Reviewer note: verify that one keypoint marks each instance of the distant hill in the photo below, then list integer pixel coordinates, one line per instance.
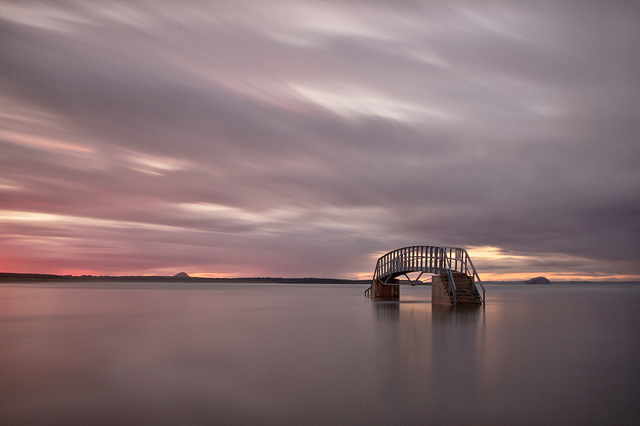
(181, 275)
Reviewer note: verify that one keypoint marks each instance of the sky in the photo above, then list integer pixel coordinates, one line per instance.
(308, 138)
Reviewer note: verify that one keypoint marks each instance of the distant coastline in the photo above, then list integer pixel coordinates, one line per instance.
(11, 277)
(22, 277)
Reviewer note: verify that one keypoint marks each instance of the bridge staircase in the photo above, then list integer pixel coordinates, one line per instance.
(465, 291)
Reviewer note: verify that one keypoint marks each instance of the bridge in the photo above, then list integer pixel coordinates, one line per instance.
(455, 279)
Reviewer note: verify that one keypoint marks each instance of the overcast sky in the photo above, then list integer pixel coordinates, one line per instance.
(300, 138)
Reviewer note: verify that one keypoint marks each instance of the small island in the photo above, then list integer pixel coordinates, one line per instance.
(538, 280)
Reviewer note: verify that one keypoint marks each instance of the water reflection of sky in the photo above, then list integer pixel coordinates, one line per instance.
(316, 355)
(542, 354)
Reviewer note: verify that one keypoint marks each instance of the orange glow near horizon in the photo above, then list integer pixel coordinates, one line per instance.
(555, 276)
(484, 276)
(492, 263)
(214, 275)
(486, 258)
(523, 276)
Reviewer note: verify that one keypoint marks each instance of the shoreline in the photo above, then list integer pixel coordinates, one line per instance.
(17, 278)
(26, 277)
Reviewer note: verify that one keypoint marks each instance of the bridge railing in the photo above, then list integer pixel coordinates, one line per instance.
(428, 259)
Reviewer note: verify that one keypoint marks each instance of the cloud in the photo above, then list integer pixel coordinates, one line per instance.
(301, 138)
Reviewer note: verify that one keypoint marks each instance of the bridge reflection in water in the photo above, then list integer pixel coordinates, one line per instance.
(439, 349)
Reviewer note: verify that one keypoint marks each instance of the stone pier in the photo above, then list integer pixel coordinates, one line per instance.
(385, 291)
(439, 291)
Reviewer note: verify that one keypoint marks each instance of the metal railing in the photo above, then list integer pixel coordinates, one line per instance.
(430, 260)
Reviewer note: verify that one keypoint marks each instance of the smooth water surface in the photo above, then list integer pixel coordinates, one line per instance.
(316, 354)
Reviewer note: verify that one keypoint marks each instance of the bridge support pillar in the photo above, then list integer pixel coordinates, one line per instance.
(440, 291)
(385, 291)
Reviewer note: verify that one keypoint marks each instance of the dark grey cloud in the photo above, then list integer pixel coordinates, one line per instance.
(304, 138)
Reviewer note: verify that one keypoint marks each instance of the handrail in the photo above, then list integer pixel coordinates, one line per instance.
(452, 286)
(429, 259)
(475, 275)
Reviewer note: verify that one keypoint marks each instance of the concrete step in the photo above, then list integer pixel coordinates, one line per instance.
(466, 294)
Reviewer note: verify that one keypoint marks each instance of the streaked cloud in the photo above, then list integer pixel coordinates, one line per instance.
(302, 138)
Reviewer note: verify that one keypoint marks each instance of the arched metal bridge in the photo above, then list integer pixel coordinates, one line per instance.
(447, 261)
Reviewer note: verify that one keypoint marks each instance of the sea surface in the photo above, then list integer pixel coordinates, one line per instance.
(282, 354)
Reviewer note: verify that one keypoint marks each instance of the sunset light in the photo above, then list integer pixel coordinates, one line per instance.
(308, 138)
(319, 212)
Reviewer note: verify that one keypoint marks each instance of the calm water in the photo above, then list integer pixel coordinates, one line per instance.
(317, 354)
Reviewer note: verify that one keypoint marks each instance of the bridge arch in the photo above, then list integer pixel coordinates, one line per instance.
(451, 264)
